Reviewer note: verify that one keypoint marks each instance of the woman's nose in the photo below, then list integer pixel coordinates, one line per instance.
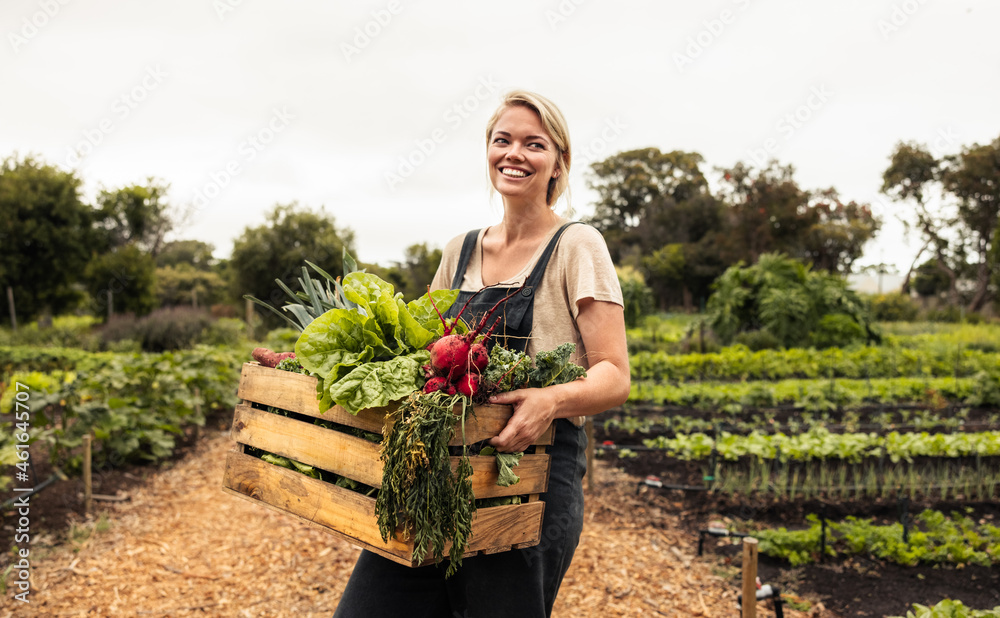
(514, 153)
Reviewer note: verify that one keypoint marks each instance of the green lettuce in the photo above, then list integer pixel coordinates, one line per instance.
(375, 384)
(371, 354)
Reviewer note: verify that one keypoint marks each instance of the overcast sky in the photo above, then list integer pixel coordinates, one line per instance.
(376, 110)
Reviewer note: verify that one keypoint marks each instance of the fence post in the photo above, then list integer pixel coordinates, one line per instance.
(197, 413)
(589, 427)
(249, 318)
(749, 577)
(87, 480)
(10, 303)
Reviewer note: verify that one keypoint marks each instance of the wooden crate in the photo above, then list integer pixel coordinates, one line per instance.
(348, 514)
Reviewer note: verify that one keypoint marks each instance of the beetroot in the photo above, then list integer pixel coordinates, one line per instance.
(458, 359)
(468, 384)
(450, 356)
(436, 384)
(478, 357)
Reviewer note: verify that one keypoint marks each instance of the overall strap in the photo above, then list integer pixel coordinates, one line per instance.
(535, 278)
(463, 260)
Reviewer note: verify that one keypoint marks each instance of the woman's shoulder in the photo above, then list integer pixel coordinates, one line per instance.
(584, 237)
(455, 244)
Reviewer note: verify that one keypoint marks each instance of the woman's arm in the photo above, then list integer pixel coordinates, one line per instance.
(602, 327)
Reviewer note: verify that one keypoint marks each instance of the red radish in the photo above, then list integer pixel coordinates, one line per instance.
(267, 358)
(468, 384)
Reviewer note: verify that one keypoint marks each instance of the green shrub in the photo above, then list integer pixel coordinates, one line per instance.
(758, 340)
(281, 339)
(636, 294)
(173, 328)
(68, 331)
(893, 307)
(226, 331)
(785, 297)
(953, 315)
(835, 330)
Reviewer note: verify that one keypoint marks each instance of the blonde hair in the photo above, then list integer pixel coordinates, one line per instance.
(555, 125)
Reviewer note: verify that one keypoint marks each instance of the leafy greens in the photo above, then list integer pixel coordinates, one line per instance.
(370, 355)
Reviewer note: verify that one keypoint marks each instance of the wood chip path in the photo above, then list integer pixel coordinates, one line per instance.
(182, 547)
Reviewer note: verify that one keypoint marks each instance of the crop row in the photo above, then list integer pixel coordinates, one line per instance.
(135, 405)
(936, 539)
(750, 420)
(819, 444)
(818, 395)
(740, 363)
(872, 479)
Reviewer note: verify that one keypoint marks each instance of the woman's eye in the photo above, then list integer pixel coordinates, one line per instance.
(498, 140)
(537, 145)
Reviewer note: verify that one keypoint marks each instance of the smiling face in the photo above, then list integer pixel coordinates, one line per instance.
(521, 155)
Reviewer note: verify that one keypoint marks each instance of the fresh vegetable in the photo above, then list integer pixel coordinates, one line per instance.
(510, 370)
(419, 491)
(460, 357)
(370, 355)
(468, 385)
(505, 466)
(267, 358)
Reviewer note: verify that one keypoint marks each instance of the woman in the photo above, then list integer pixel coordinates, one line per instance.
(570, 293)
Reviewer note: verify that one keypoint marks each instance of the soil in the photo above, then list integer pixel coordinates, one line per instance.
(179, 546)
(61, 502)
(852, 587)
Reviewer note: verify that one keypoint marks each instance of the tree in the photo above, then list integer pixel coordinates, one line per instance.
(135, 214)
(194, 253)
(648, 200)
(769, 212)
(185, 285)
(129, 274)
(279, 249)
(839, 233)
(631, 185)
(45, 234)
(415, 273)
(912, 169)
(972, 178)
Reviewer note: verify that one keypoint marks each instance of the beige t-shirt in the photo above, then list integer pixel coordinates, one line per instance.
(580, 267)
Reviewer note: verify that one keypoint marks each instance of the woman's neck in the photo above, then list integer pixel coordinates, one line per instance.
(526, 220)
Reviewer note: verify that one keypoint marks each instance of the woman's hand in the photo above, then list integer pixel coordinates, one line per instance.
(534, 411)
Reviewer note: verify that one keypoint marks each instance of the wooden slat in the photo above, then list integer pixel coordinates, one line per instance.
(297, 393)
(358, 459)
(533, 470)
(329, 450)
(351, 516)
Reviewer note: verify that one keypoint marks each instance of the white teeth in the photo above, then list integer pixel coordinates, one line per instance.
(512, 172)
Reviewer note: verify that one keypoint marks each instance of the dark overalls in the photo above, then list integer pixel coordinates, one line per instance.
(519, 583)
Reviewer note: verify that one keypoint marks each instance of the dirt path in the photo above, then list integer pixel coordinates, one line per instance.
(182, 547)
